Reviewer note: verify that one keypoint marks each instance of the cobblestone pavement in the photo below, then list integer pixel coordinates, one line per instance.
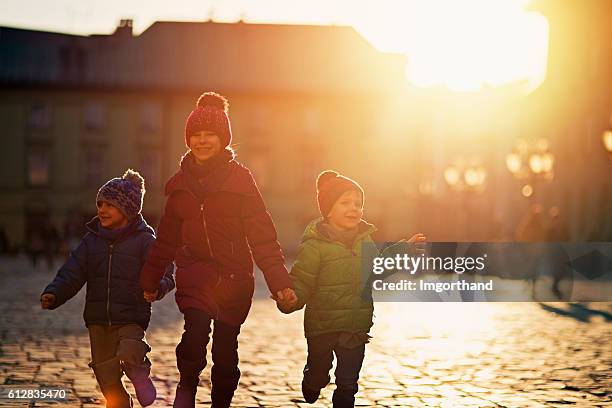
(436, 354)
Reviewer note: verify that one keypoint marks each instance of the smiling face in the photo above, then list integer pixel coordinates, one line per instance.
(204, 145)
(110, 216)
(347, 211)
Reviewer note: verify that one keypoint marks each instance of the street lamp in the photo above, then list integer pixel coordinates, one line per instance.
(475, 177)
(513, 162)
(466, 177)
(452, 176)
(606, 138)
(463, 177)
(528, 162)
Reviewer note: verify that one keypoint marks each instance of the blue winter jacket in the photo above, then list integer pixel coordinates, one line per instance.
(111, 269)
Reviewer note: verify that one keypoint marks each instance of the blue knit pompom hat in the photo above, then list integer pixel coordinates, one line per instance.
(125, 193)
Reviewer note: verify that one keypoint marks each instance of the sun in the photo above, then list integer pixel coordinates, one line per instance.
(463, 45)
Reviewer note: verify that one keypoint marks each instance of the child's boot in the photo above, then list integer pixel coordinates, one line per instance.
(310, 394)
(108, 373)
(344, 397)
(188, 385)
(140, 377)
(224, 385)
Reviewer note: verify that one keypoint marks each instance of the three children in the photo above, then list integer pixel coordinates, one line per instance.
(214, 224)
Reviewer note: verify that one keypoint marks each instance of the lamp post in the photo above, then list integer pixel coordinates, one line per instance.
(462, 177)
(606, 138)
(466, 178)
(530, 163)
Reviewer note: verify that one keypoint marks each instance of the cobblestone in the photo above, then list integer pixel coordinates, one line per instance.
(421, 354)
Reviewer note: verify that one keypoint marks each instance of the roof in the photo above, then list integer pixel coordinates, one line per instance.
(193, 55)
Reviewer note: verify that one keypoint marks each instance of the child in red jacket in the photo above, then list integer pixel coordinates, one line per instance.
(213, 220)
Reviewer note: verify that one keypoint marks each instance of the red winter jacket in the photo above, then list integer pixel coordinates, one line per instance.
(211, 235)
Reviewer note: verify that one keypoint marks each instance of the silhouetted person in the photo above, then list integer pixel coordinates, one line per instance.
(5, 246)
(35, 245)
(51, 243)
(531, 228)
(557, 231)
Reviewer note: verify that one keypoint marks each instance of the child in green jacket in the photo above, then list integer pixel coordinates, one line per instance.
(327, 279)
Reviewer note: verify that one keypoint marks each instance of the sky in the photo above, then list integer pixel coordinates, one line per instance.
(85, 16)
(462, 44)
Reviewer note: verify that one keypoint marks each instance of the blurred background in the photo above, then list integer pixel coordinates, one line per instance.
(468, 121)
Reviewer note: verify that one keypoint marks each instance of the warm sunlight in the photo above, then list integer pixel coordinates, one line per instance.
(465, 45)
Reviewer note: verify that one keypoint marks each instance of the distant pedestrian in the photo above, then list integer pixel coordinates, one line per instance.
(531, 228)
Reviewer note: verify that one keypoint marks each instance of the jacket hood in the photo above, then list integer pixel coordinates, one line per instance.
(227, 153)
(137, 224)
(239, 180)
(313, 232)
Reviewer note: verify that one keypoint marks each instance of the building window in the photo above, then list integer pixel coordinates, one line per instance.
(95, 116)
(259, 164)
(150, 167)
(150, 118)
(40, 116)
(94, 166)
(38, 166)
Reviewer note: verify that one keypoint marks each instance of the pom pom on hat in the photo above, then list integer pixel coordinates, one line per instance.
(213, 99)
(325, 176)
(135, 178)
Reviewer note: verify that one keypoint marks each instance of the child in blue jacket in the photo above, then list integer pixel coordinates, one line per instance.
(109, 259)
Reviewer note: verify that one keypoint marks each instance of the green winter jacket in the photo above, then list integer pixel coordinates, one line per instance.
(327, 279)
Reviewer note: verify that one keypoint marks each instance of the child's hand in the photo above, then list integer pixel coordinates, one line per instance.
(47, 300)
(418, 240)
(284, 307)
(151, 296)
(286, 299)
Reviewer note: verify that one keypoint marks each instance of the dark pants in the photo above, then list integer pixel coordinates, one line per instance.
(124, 345)
(321, 350)
(116, 350)
(192, 350)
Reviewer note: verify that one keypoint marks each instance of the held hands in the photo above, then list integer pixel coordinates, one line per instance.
(286, 299)
(47, 300)
(151, 296)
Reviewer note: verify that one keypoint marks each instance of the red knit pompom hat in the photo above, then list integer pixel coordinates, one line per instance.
(210, 114)
(330, 186)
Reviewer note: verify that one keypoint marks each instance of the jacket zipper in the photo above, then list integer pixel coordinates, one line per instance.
(110, 260)
(210, 251)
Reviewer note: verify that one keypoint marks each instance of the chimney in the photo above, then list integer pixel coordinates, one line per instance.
(124, 29)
